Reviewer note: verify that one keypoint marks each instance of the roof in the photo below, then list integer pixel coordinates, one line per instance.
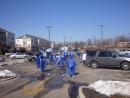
(3, 30)
(30, 36)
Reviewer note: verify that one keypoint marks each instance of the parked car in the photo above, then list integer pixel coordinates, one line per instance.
(89, 54)
(18, 56)
(124, 51)
(32, 58)
(2, 58)
(8, 54)
(109, 58)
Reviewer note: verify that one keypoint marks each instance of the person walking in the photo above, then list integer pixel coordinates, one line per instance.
(37, 61)
(71, 66)
(84, 55)
(43, 64)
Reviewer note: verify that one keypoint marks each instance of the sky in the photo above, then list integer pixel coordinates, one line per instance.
(77, 20)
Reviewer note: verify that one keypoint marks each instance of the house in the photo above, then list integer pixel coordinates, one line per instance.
(30, 42)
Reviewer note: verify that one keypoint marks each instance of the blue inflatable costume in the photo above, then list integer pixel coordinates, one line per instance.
(71, 66)
(37, 61)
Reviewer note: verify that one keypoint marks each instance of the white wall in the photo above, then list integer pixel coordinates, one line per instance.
(29, 42)
(19, 42)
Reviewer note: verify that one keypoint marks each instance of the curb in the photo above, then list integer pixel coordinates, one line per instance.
(81, 95)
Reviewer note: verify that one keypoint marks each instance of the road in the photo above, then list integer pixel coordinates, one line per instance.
(54, 85)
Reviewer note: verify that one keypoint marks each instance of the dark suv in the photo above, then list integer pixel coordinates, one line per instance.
(90, 53)
(108, 58)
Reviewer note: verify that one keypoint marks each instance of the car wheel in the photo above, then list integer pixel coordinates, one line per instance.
(94, 65)
(125, 66)
(84, 63)
(26, 58)
(13, 58)
(33, 60)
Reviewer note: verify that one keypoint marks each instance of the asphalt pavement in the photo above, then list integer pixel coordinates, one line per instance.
(53, 84)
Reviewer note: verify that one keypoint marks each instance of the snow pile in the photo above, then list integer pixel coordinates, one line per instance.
(111, 87)
(7, 73)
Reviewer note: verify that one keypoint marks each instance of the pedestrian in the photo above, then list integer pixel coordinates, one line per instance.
(71, 66)
(62, 65)
(38, 61)
(84, 55)
(78, 53)
(65, 55)
(57, 60)
(42, 66)
(51, 58)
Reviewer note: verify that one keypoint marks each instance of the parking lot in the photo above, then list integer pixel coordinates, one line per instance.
(58, 85)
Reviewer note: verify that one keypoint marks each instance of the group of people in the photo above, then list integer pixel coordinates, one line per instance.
(64, 59)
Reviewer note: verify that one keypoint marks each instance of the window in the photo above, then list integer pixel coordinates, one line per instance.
(109, 54)
(102, 54)
(29, 45)
(29, 39)
(91, 53)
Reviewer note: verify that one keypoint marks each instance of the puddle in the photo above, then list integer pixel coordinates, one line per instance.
(56, 82)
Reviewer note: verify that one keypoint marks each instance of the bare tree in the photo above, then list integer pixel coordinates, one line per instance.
(89, 42)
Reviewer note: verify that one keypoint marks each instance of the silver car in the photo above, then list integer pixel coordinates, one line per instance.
(2, 58)
(109, 58)
(18, 56)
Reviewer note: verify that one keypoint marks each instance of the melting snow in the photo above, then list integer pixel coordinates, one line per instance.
(7, 73)
(111, 87)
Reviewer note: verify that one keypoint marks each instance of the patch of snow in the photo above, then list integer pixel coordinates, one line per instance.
(7, 73)
(111, 87)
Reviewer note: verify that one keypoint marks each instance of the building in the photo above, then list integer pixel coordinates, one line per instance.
(30, 42)
(123, 44)
(7, 40)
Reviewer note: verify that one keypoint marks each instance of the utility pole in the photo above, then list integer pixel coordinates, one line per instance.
(49, 35)
(101, 27)
(64, 40)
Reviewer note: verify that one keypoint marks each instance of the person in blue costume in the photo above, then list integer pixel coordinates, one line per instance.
(37, 61)
(62, 60)
(43, 64)
(72, 54)
(78, 53)
(65, 55)
(57, 60)
(71, 66)
(51, 59)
